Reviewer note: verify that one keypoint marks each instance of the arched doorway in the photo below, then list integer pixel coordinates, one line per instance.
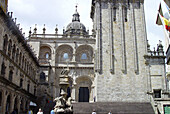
(21, 106)
(8, 104)
(83, 94)
(83, 89)
(16, 104)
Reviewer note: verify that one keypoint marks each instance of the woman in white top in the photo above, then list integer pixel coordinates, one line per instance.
(40, 111)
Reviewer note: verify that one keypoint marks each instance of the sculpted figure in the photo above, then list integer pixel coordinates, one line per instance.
(63, 104)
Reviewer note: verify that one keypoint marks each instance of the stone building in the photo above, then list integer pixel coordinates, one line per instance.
(18, 68)
(74, 49)
(130, 73)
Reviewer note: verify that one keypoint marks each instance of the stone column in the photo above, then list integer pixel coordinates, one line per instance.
(4, 100)
(18, 105)
(74, 52)
(12, 99)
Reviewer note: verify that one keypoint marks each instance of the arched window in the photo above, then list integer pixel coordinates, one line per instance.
(21, 82)
(17, 55)
(34, 90)
(125, 14)
(10, 75)
(47, 56)
(3, 67)
(13, 53)
(65, 56)
(9, 47)
(28, 87)
(84, 56)
(5, 43)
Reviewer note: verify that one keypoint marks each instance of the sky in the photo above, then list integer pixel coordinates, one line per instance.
(52, 12)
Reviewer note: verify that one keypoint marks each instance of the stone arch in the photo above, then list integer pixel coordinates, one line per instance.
(17, 55)
(16, 102)
(3, 69)
(9, 47)
(8, 103)
(64, 53)
(22, 105)
(5, 44)
(84, 54)
(45, 52)
(83, 82)
(13, 52)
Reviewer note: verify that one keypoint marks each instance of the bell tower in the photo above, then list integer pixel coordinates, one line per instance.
(121, 43)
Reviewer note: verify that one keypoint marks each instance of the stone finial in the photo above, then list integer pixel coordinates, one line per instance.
(160, 48)
(56, 29)
(44, 29)
(88, 31)
(93, 32)
(63, 30)
(18, 25)
(15, 20)
(35, 29)
(11, 14)
(148, 46)
(30, 32)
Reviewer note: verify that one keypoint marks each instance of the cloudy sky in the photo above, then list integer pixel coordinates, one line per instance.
(52, 12)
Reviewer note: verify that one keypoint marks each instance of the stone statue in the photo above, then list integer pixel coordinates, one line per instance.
(63, 105)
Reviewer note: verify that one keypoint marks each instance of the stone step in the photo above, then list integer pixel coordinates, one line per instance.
(114, 107)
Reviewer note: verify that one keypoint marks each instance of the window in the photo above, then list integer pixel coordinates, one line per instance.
(13, 52)
(157, 93)
(114, 14)
(5, 43)
(10, 75)
(34, 90)
(9, 47)
(84, 56)
(3, 69)
(125, 14)
(47, 55)
(21, 83)
(65, 56)
(28, 87)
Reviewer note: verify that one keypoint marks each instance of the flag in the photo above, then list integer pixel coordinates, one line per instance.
(166, 23)
(165, 10)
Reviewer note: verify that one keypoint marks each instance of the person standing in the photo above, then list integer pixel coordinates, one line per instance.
(40, 111)
(110, 112)
(94, 112)
(29, 111)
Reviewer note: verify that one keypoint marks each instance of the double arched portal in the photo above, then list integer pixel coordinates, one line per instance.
(82, 57)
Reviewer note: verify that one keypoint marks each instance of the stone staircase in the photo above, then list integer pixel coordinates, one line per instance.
(114, 107)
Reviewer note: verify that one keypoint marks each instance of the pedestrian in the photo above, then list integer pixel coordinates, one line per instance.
(52, 112)
(40, 111)
(110, 112)
(29, 111)
(94, 112)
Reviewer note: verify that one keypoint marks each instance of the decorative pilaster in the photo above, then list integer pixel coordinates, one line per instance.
(111, 38)
(136, 63)
(124, 67)
(99, 43)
